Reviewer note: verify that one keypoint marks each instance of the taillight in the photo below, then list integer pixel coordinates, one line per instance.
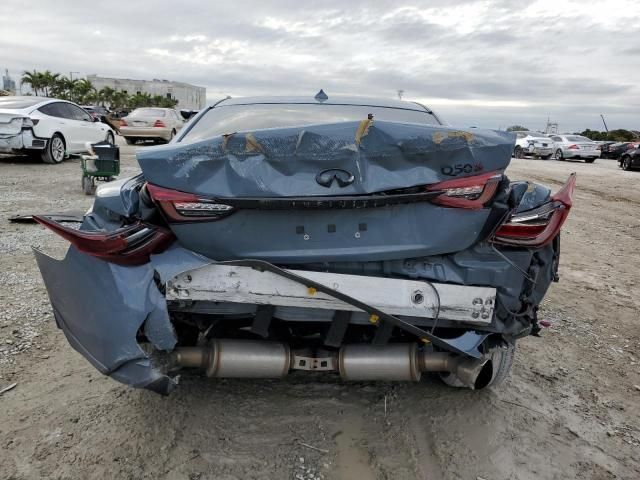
(187, 207)
(130, 245)
(159, 124)
(538, 227)
(123, 123)
(468, 192)
(573, 147)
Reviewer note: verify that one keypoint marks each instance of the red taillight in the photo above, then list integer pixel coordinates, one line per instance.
(573, 147)
(468, 192)
(123, 123)
(187, 207)
(159, 124)
(538, 227)
(130, 245)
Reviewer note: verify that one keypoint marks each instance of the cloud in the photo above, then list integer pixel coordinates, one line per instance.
(486, 63)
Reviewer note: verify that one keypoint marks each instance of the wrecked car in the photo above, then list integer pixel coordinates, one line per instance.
(359, 237)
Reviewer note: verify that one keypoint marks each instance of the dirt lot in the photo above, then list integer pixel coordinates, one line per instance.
(571, 408)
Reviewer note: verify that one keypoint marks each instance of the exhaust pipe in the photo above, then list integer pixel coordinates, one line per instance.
(403, 361)
(228, 358)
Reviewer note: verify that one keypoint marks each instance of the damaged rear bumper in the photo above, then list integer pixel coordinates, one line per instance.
(102, 307)
(108, 312)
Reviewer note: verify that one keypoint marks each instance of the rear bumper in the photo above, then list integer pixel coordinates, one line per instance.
(145, 132)
(540, 151)
(581, 154)
(20, 141)
(105, 310)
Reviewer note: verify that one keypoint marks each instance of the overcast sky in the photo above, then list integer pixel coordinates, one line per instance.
(482, 63)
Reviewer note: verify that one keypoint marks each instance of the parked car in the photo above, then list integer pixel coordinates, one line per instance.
(97, 111)
(533, 144)
(151, 123)
(47, 128)
(630, 159)
(575, 146)
(360, 237)
(616, 150)
(603, 146)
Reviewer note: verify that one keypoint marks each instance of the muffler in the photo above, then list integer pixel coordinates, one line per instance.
(404, 362)
(228, 358)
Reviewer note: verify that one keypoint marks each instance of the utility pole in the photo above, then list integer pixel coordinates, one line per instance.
(400, 93)
(71, 75)
(605, 123)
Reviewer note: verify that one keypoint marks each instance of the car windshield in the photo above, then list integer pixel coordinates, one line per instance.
(578, 138)
(19, 102)
(148, 112)
(257, 116)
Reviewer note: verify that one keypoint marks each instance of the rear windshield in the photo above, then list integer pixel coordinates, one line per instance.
(237, 118)
(578, 138)
(19, 102)
(148, 112)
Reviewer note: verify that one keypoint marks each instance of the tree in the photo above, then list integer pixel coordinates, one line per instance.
(105, 96)
(517, 128)
(33, 79)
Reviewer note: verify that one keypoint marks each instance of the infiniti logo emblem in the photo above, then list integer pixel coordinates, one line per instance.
(326, 177)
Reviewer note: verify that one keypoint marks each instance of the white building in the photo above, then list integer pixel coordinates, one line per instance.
(189, 97)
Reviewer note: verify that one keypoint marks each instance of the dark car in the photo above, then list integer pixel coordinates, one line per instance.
(603, 146)
(354, 236)
(97, 111)
(630, 159)
(616, 150)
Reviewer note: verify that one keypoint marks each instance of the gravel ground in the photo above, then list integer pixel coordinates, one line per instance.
(569, 409)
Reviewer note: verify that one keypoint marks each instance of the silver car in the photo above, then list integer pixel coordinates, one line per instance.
(533, 144)
(151, 123)
(575, 146)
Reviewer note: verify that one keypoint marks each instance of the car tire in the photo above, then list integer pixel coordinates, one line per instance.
(545, 157)
(501, 361)
(110, 138)
(88, 185)
(130, 140)
(558, 155)
(625, 163)
(518, 152)
(54, 152)
(589, 160)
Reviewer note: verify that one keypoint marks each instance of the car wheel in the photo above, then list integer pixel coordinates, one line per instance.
(626, 163)
(589, 160)
(558, 155)
(130, 140)
(88, 185)
(110, 138)
(501, 361)
(518, 153)
(545, 157)
(55, 150)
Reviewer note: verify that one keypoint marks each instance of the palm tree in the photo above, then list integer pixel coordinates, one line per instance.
(83, 91)
(63, 88)
(48, 81)
(33, 79)
(105, 95)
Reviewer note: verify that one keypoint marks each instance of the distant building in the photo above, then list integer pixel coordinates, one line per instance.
(189, 97)
(8, 83)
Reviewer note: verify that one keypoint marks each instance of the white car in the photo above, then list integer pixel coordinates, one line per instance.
(532, 144)
(48, 128)
(575, 146)
(151, 123)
